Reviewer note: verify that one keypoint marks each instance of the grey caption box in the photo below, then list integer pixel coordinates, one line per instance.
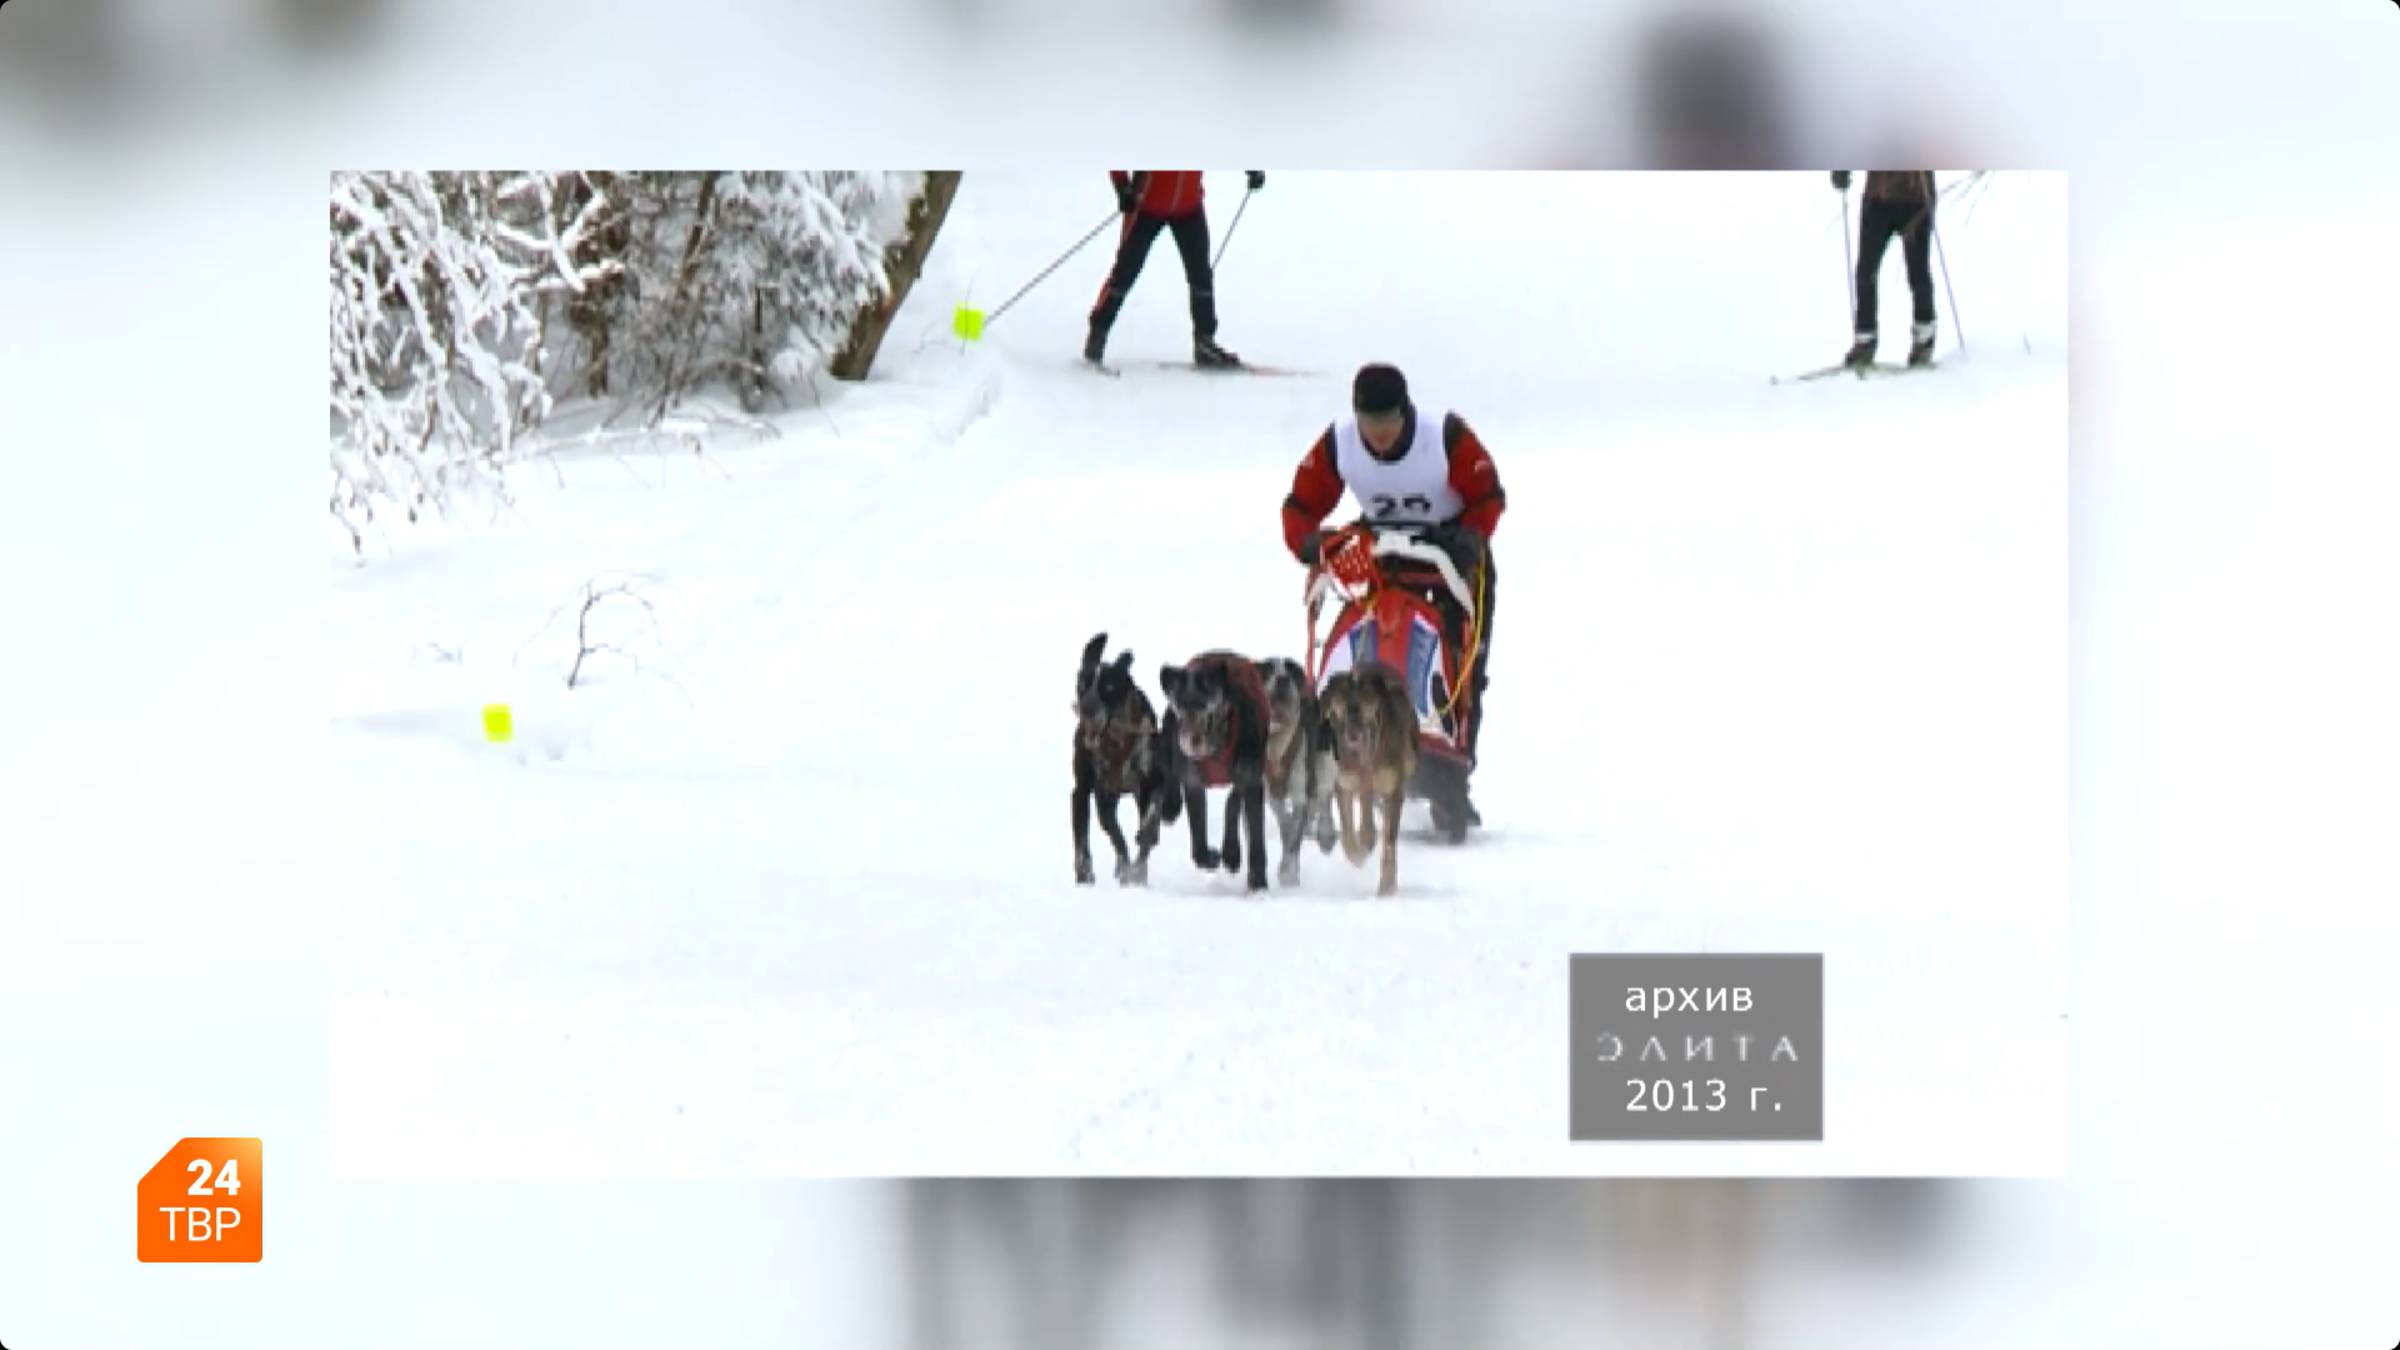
(1671, 1048)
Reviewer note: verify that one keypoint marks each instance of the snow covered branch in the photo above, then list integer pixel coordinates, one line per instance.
(445, 288)
(435, 343)
(750, 281)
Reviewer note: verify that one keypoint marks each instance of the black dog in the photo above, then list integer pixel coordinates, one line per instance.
(1116, 754)
(1217, 721)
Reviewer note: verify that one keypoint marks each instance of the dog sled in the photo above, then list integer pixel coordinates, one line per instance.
(1394, 592)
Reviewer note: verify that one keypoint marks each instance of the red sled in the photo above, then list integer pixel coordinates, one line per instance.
(1391, 587)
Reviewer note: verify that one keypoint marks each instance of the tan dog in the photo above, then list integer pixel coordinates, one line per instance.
(1299, 763)
(1374, 732)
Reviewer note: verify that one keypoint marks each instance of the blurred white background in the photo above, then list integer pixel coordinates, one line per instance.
(161, 954)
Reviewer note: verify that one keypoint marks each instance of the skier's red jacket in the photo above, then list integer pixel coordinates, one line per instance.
(1317, 487)
(1165, 192)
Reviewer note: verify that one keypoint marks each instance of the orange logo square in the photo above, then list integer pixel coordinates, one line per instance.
(204, 1201)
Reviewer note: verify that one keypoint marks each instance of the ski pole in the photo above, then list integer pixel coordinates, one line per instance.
(1227, 241)
(1045, 272)
(1955, 326)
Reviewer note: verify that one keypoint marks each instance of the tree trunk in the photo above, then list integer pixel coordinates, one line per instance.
(901, 263)
(672, 391)
(591, 311)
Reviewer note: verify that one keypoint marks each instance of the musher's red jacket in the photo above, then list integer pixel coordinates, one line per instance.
(1317, 487)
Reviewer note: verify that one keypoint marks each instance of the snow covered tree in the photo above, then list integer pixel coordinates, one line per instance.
(436, 344)
(751, 280)
(813, 255)
(901, 263)
(588, 208)
(464, 304)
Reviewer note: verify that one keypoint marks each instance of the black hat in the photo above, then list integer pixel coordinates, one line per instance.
(1379, 389)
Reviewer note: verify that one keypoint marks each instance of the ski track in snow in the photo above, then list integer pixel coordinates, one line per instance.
(1775, 669)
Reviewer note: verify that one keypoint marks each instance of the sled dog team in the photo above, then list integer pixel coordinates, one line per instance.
(1256, 727)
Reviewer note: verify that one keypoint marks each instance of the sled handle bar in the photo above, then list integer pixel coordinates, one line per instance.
(1395, 545)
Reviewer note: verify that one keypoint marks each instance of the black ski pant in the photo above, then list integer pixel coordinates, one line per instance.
(1878, 221)
(1133, 249)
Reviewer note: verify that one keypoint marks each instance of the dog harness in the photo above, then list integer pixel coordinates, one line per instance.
(1116, 751)
(1242, 682)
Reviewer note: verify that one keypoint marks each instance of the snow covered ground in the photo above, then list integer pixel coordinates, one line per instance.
(1774, 669)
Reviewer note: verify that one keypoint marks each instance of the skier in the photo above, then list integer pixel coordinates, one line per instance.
(1154, 200)
(1406, 469)
(1894, 203)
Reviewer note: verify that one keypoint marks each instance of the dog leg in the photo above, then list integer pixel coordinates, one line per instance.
(1082, 815)
(1195, 806)
(1366, 820)
(1287, 824)
(1145, 836)
(1345, 802)
(1391, 843)
(1161, 803)
(1116, 837)
(1232, 857)
(1254, 812)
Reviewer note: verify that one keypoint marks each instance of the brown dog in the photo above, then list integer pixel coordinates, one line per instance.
(1374, 732)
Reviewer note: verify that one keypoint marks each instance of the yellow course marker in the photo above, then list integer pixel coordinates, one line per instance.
(968, 324)
(497, 724)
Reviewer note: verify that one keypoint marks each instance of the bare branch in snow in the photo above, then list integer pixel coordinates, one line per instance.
(585, 646)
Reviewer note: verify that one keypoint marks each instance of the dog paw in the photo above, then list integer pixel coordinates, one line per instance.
(1258, 883)
(1289, 872)
(1205, 860)
(1137, 874)
(1083, 871)
(1233, 858)
(1388, 888)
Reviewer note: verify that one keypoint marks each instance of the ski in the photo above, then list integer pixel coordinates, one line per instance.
(1117, 371)
(1810, 375)
(1244, 368)
(1880, 368)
